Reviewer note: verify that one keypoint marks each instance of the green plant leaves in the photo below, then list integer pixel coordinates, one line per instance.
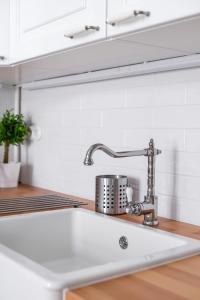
(13, 129)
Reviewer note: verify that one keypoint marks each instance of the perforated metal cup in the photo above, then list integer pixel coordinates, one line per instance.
(111, 194)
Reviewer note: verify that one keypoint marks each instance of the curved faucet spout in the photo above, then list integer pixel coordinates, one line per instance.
(88, 161)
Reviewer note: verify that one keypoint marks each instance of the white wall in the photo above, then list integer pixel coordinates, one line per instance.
(123, 114)
(6, 99)
(6, 102)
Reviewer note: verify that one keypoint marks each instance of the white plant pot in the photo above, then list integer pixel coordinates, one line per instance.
(9, 174)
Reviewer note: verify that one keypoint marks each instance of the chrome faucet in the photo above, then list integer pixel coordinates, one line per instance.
(148, 207)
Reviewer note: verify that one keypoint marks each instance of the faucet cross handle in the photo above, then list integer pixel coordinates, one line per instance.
(129, 193)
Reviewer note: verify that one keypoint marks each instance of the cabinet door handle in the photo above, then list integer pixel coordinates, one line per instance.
(135, 13)
(141, 13)
(80, 31)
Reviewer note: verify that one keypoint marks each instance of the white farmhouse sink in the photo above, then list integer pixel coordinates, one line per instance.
(42, 254)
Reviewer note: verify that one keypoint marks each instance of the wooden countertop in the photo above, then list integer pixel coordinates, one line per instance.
(175, 281)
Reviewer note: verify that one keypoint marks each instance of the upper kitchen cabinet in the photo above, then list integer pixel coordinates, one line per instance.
(126, 16)
(4, 32)
(39, 27)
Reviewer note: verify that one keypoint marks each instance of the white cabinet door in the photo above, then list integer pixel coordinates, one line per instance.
(133, 15)
(44, 26)
(4, 32)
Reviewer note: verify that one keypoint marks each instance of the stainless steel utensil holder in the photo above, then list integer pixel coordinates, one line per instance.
(111, 194)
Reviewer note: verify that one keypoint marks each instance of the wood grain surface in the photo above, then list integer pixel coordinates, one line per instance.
(176, 281)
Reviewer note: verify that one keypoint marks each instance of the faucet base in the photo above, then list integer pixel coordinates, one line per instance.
(148, 210)
(150, 215)
(151, 222)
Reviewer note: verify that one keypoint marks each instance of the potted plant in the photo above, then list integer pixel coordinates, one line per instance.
(13, 131)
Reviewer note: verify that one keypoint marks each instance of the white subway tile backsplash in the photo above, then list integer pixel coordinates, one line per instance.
(156, 95)
(71, 136)
(140, 96)
(103, 96)
(179, 209)
(166, 138)
(183, 163)
(81, 119)
(192, 140)
(194, 92)
(188, 164)
(108, 136)
(176, 117)
(169, 184)
(167, 161)
(178, 186)
(123, 114)
(87, 119)
(190, 188)
(127, 118)
(170, 94)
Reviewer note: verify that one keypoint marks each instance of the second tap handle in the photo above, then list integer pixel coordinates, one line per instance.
(129, 194)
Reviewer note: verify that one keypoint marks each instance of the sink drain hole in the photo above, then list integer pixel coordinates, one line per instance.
(123, 242)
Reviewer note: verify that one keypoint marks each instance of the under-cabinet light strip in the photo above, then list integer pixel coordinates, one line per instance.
(185, 62)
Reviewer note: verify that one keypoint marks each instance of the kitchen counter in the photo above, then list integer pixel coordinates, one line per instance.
(178, 280)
